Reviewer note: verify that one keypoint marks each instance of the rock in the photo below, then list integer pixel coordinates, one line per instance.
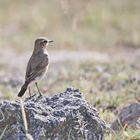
(61, 117)
(128, 116)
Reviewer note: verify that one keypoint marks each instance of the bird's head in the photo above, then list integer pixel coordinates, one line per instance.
(42, 43)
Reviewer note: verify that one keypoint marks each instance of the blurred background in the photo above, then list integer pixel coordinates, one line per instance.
(72, 24)
(96, 49)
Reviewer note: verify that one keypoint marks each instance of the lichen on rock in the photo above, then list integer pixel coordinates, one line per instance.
(64, 116)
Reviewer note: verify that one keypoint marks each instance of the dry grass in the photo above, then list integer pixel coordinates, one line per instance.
(23, 114)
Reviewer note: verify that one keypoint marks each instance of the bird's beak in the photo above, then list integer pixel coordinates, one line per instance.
(51, 41)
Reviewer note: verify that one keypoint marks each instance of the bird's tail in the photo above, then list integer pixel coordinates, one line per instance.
(23, 89)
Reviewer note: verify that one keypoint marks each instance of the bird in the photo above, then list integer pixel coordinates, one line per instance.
(37, 65)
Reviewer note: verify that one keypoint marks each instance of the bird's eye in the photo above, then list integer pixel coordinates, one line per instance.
(44, 41)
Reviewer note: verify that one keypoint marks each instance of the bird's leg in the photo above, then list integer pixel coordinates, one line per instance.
(38, 89)
(29, 92)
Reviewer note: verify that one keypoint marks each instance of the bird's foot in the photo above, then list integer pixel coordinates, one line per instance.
(40, 95)
(32, 96)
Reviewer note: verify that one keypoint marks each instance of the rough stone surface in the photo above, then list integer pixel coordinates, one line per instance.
(66, 116)
(128, 116)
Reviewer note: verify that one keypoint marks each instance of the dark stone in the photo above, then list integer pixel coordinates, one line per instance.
(127, 116)
(62, 117)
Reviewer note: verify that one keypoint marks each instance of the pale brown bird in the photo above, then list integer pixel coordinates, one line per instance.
(37, 65)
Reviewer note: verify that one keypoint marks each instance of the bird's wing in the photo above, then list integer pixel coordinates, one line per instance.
(35, 67)
(28, 69)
